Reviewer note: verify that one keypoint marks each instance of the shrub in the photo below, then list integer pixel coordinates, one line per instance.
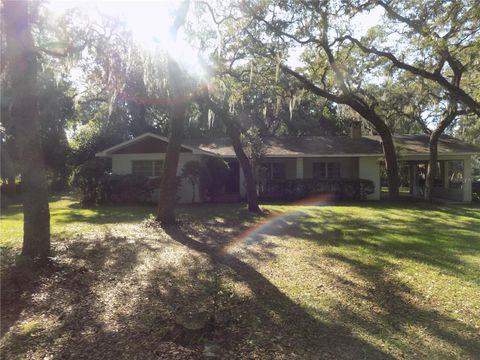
(296, 189)
(97, 186)
(87, 178)
(476, 190)
(127, 189)
(215, 177)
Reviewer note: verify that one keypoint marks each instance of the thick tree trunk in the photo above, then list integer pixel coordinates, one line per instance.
(391, 164)
(22, 71)
(11, 187)
(234, 134)
(433, 148)
(168, 185)
(193, 193)
(432, 164)
(178, 107)
(252, 196)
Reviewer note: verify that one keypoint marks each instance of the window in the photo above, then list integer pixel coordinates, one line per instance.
(455, 174)
(148, 168)
(326, 170)
(274, 171)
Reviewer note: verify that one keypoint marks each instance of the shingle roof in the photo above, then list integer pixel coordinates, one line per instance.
(337, 145)
(418, 144)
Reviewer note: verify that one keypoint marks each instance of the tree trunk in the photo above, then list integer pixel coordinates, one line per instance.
(22, 71)
(433, 148)
(252, 196)
(193, 193)
(168, 185)
(178, 107)
(234, 134)
(391, 164)
(11, 187)
(432, 164)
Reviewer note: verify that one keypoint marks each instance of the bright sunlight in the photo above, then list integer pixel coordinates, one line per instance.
(150, 23)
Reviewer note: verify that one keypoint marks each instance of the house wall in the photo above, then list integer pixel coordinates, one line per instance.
(369, 169)
(122, 165)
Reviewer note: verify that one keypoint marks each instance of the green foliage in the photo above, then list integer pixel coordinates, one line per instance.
(88, 179)
(253, 146)
(126, 189)
(296, 189)
(55, 109)
(95, 135)
(217, 174)
(98, 186)
(476, 190)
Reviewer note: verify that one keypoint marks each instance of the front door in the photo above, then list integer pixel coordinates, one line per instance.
(232, 185)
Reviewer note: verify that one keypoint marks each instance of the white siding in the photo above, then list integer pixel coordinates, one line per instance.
(299, 168)
(122, 164)
(369, 169)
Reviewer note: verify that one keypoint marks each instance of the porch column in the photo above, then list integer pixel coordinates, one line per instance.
(467, 179)
(411, 177)
(299, 168)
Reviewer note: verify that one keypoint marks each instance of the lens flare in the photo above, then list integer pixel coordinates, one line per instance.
(253, 234)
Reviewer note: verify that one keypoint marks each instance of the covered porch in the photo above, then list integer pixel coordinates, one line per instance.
(452, 178)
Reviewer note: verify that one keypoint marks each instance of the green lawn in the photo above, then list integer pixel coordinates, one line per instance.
(67, 218)
(367, 280)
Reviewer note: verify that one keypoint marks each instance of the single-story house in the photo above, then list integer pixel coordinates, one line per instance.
(323, 157)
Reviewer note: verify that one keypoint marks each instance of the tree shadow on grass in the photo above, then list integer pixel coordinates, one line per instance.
(265, 320)
(396, 312)
(64, 293)
(308, 334)
(418, 237)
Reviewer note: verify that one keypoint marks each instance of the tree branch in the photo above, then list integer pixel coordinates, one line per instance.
(437, 77)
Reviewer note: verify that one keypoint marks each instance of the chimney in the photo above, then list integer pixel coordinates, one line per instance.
(356, 129)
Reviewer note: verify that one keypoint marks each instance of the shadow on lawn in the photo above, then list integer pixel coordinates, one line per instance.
(97, 277)
(390, 295)
(299, 331)
(105, 278)
(417, 236)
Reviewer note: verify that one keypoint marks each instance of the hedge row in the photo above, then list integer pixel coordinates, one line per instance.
(296, 189)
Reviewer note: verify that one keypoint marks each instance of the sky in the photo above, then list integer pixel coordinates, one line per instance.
(148, 20)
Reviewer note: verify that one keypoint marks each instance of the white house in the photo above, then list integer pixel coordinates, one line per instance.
(323, 157)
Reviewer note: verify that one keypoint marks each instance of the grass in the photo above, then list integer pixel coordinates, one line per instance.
(68, 218)
(368, 280)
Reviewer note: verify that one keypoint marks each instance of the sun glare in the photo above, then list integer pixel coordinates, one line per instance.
(149, 22)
